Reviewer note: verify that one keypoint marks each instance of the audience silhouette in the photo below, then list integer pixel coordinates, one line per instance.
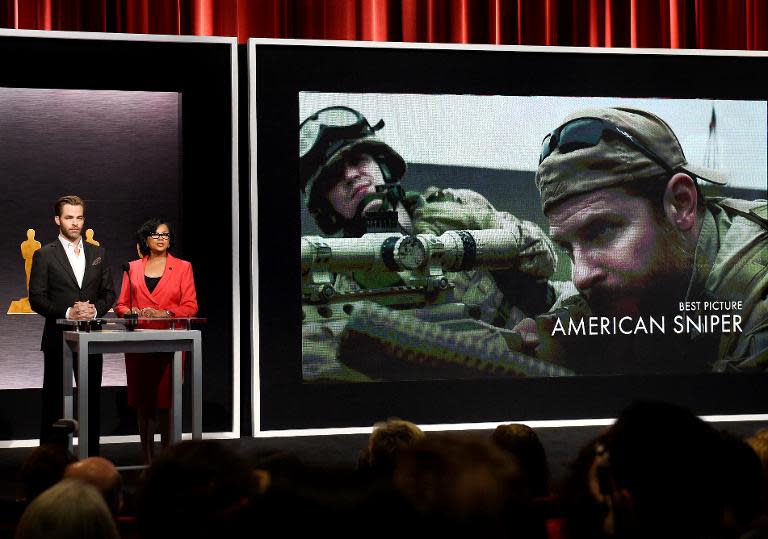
(658, 471)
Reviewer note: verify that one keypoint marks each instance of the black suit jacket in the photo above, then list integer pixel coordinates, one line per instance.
(53, 287)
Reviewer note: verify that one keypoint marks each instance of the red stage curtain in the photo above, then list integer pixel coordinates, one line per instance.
(713, 24)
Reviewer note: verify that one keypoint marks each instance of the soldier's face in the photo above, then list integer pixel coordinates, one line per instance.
(359, 177)
(70, 222)
(624, 260)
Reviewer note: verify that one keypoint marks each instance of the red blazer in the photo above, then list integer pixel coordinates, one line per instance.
(175, 291)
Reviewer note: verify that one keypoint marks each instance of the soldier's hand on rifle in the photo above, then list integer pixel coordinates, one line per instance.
(537, 339)
(526, 328)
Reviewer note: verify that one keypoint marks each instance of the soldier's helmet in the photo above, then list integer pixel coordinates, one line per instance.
(326, 138)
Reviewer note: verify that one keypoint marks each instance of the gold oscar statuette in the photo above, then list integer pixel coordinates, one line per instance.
(28, 248)
(89, 237)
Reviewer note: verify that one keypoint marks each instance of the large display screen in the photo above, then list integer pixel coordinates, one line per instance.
(472, 160)
(469, 245)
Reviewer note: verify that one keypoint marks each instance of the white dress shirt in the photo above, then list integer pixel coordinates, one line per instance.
(76, 261)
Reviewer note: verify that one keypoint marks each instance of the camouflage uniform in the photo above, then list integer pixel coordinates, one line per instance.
(732, 265)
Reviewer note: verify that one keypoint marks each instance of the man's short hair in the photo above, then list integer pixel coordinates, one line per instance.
(198, 488)
(103, 475)
(464, 486)
(652, 189)
(388, 438)
(72, 200)
(669, 460)
(522, 442)
(70, 508)
(43, 468)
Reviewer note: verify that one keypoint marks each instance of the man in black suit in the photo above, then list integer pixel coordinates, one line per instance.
(69, 279)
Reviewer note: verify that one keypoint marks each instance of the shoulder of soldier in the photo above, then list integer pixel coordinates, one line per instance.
(742, 240)
(754, 210)
(741, 266)
(461, 196)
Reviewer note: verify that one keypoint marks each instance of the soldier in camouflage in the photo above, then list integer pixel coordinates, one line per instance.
(623, 201)
(347, 175)
(351, 179)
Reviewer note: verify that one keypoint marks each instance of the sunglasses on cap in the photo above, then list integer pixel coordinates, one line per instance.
(586, 133)
(328, 129)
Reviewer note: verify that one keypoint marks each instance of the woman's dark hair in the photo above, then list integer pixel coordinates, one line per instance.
(148, 228)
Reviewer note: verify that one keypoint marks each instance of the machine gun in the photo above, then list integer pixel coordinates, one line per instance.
(413, 328)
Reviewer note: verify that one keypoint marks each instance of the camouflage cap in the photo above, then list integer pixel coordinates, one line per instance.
(614, 160)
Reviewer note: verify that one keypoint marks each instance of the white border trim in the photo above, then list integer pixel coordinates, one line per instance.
(253, 229)
(490, 47)
(255, 388)
(541, 424)
(128, 439)
(236, 288)
(235, 198)
(115, 36)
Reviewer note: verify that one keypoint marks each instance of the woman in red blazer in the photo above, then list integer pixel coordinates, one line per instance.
(162, 286)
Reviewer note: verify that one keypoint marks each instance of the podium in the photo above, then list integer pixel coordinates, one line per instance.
(178, 338)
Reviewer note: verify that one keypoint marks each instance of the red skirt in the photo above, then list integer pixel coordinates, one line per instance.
(149, 379)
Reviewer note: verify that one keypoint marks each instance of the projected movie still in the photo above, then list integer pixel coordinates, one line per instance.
(476, 237)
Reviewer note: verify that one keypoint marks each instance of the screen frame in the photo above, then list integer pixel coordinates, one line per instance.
(97, 38)
(261, 406)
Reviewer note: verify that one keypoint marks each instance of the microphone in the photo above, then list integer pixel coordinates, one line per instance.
(132, 319)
